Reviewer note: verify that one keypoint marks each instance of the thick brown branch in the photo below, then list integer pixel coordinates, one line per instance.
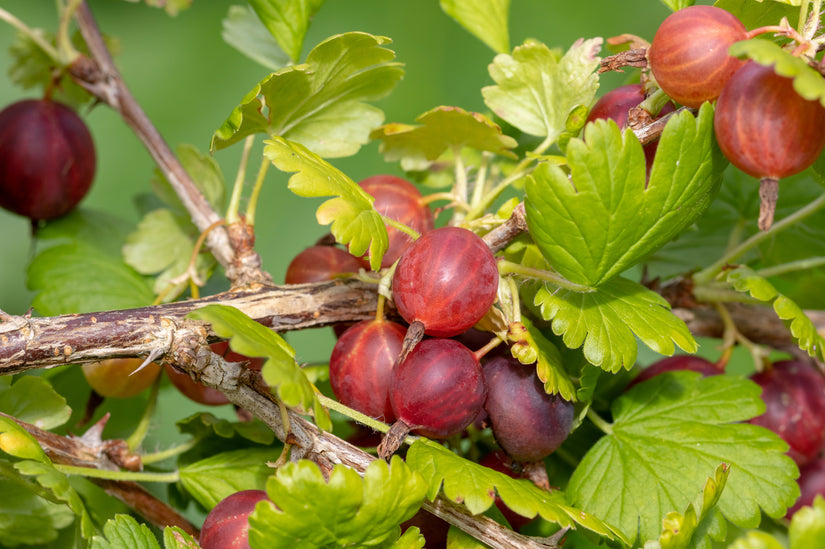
(27, 343)
(100, 77)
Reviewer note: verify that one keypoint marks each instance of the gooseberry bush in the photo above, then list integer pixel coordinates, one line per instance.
(586, 314)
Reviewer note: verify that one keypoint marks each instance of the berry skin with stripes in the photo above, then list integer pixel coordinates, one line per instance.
(446, 280)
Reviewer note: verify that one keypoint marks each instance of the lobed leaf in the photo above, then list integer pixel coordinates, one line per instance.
(320, 103)
(606, 217)
(667, 434)
(806, 81)
(287, 21)
(475, 486)
(682, 531)
(175, 538)
(162, 245)
(25, 517)
(767, 13)
(124, 531)
(17, 442)
(807, 527)
(33, 400)
(354, 221)
(59, 489)
(212, 479)
(529, 346)
(281, 372)
(608, 320)
(536, 90)
(485, 19)
(310, 512)
(803, 330)
(441, 129)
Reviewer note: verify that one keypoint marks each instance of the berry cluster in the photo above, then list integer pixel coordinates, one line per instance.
(763, 126)
(428, 371)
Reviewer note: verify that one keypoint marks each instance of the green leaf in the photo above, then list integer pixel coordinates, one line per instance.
(320, 103)
(346, 511)
(58, 486)
(281, 372)
(756, 540)
(486, 20)
(632, 217)
(806, 81)
(410, 539)
(203, 424)
(75, 278)
(176, 538)
(668, 434)
(475, 486)
(17, 442)
(212, 479)
(31, 67)
(608, 320)
(765, 13)
(808, 525)
(535, 91)
(33, 400)
(99, 230)
(355, 222)
(243, 30)
(162, 245)
(441, 129)
(124, 531)
(26, 518)
(529, 346)
(802, 328)
(680, 529)
(287, 21)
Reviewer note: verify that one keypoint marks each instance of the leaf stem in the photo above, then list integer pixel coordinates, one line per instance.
(800, 265)
(400, 226)
(521, 169)
(708, 273)
(237, 189)
(510, 267)
(64, 41)
(598, 421)
(47, 48)
(139, 434)
(333, 404)
(460, 182)
(89, 472)
(174, 451)
(256, 191)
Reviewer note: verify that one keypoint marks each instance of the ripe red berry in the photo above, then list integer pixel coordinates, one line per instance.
(47, 159)
(446, 280)
(227, 524)
(399, 200)
(794, 395)
(616, 104)
(677, 363)
(360, 367)
(527, 423)
(689, 53)
(320, 263)
(767, 130)
(438, 390)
